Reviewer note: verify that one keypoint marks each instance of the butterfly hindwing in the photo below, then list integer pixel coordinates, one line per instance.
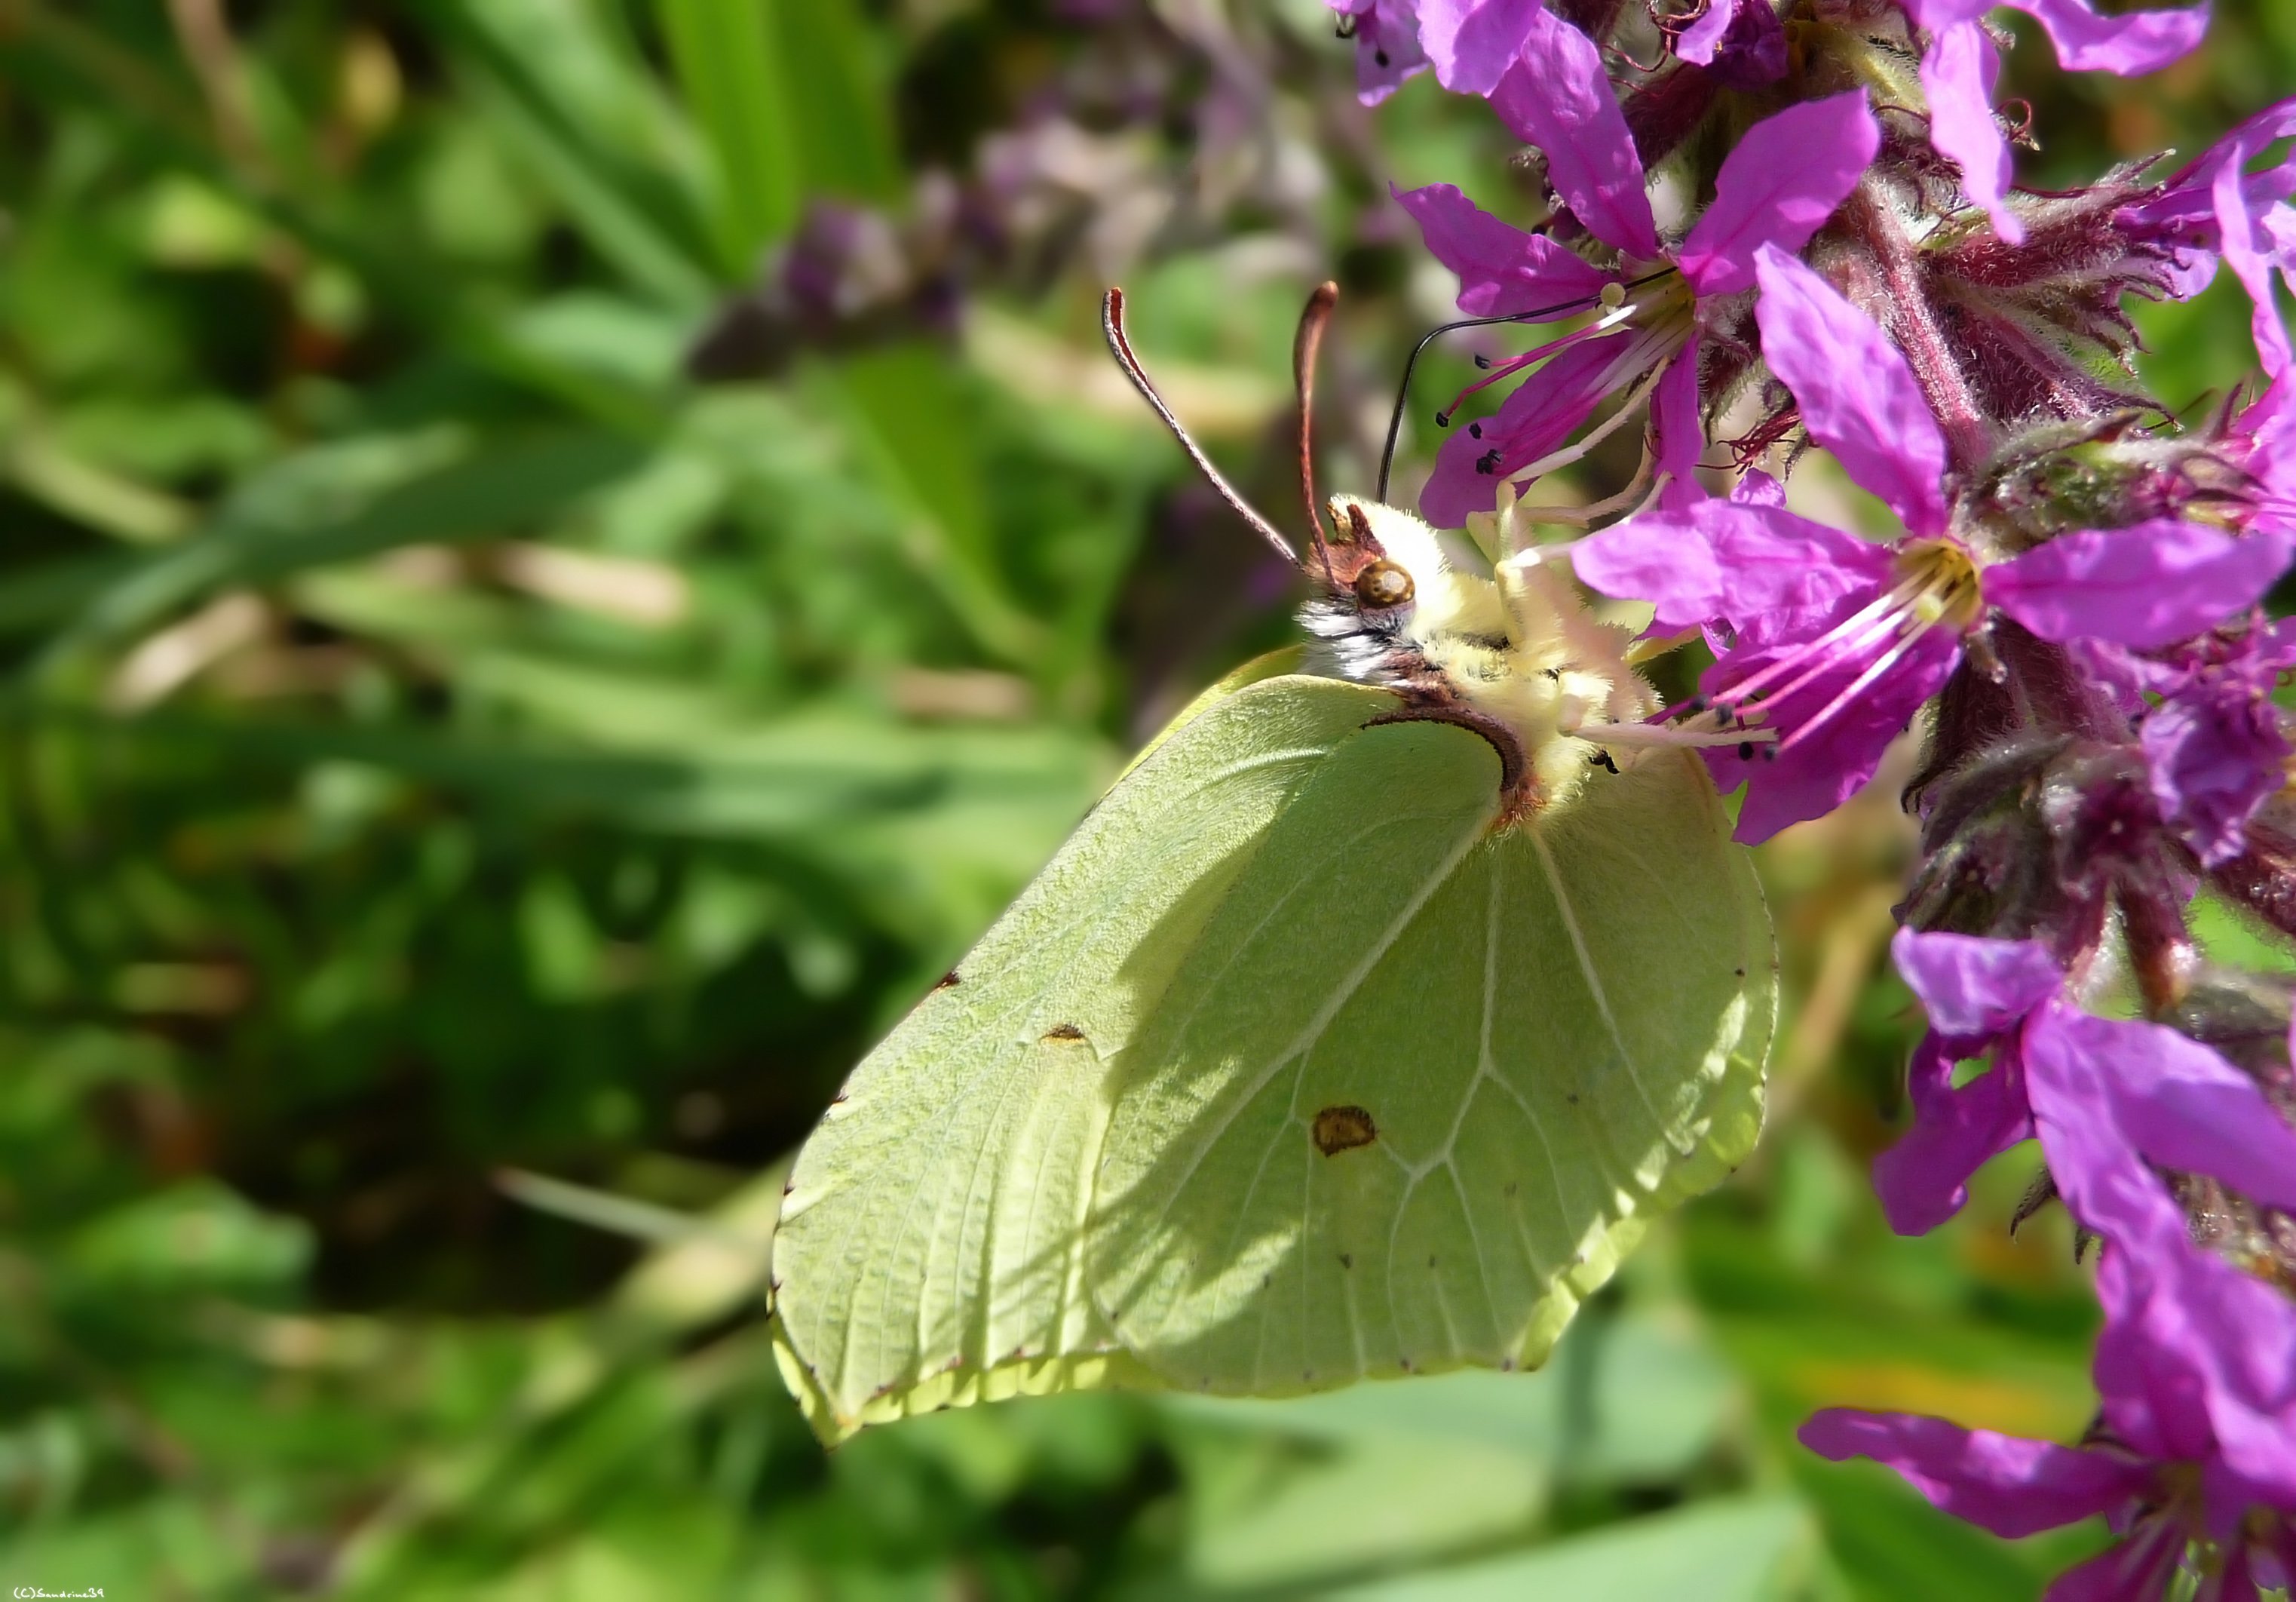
(1419, 1083)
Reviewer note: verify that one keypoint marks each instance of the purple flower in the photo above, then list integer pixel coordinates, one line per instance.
(1473, 43)
(2215, 196)
(2214, 746)
(1386, 33)
(1961, 65)
(2159, 1507)
(1740, 43)
(1776, 190)
(2195, 1440)
(1828, 644)
(2194, 1444)
(1470, 42)
(2094, 1089)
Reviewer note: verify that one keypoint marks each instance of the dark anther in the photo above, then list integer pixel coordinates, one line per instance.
(1488, 462)
(1769, 754)
(1380, 56)
(1484, 362)
(1442, 420)
(1474, 430)
(1602, 759)
(1697, 704)
(1745, 751)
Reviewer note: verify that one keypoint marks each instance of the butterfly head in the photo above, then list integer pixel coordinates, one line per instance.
(1396, 604)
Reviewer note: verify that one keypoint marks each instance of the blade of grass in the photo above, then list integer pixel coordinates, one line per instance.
(496, 492)
(726, 54)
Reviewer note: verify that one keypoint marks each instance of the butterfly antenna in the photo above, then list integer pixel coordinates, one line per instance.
(1305, 344)
(1112, 324)
(1536, 315)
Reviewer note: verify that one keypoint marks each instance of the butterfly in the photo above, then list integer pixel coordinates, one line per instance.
(1358, 1030)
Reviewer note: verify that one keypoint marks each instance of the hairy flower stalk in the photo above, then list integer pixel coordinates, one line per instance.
(2077, 610)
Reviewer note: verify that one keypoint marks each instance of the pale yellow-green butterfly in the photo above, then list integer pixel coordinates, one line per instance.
(1358, 1031)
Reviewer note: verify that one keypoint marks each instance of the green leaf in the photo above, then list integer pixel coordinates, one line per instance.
(496, 493)
(1739, 1550)
(726, 53)
(913, 420)
(838, 99)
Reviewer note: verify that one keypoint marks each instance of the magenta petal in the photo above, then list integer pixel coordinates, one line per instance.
(1727, 560)
(1923, 1179)
(1973, 988)
(2146, 586)
(2139, 42)
(1677, 434)
(1537, 418)
(1700, 40)
(1937, 15)
(2181, 1105)
(1828, 765)
(2095, 1163)
(2137, 1569)
(1503, 271)
(2251, 262)
(1858, 396)
(2011, 1486)
(1474, 42)
(1958, 76)
(1387, 46)
(1558, 97)
(1785, 177)
(1758, 488)
(2212, 760)
(2196, 1359)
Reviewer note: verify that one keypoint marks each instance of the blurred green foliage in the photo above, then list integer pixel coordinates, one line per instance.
(469, 790)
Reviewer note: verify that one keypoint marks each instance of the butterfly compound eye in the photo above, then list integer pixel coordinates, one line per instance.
(1383, 584)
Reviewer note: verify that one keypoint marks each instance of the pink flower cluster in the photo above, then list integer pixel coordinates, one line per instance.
(2079, 594)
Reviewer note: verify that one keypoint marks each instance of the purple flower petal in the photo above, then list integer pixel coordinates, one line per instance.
(1937, 15)
(1827, 766)
(1700, 40)
(1858, 396)
(1729, 561)
(1533, 420)
(2010, 1486)
(2180, 1105)
(1785, 177)
(1752, 54)
(1472, 43)
(1677, 433)
(1958, 76)
(2250, 258)
(2146, 586)
(1923, 1179)
(2138, 1569)
(1503, 271)
(2212, 760)
(1758, 489)
(1387, 44)
(1972, 988)
(2097, 1168)
(2135, 43)
(1558, 97)
(2197, 1361)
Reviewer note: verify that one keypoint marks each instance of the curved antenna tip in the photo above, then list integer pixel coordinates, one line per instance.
(1112, 325)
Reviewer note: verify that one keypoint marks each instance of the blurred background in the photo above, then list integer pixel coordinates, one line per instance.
(562, 559)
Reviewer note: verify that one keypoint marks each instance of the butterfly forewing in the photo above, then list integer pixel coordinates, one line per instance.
(930, 1247)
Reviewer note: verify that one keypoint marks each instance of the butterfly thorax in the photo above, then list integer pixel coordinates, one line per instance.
(1405, 608)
